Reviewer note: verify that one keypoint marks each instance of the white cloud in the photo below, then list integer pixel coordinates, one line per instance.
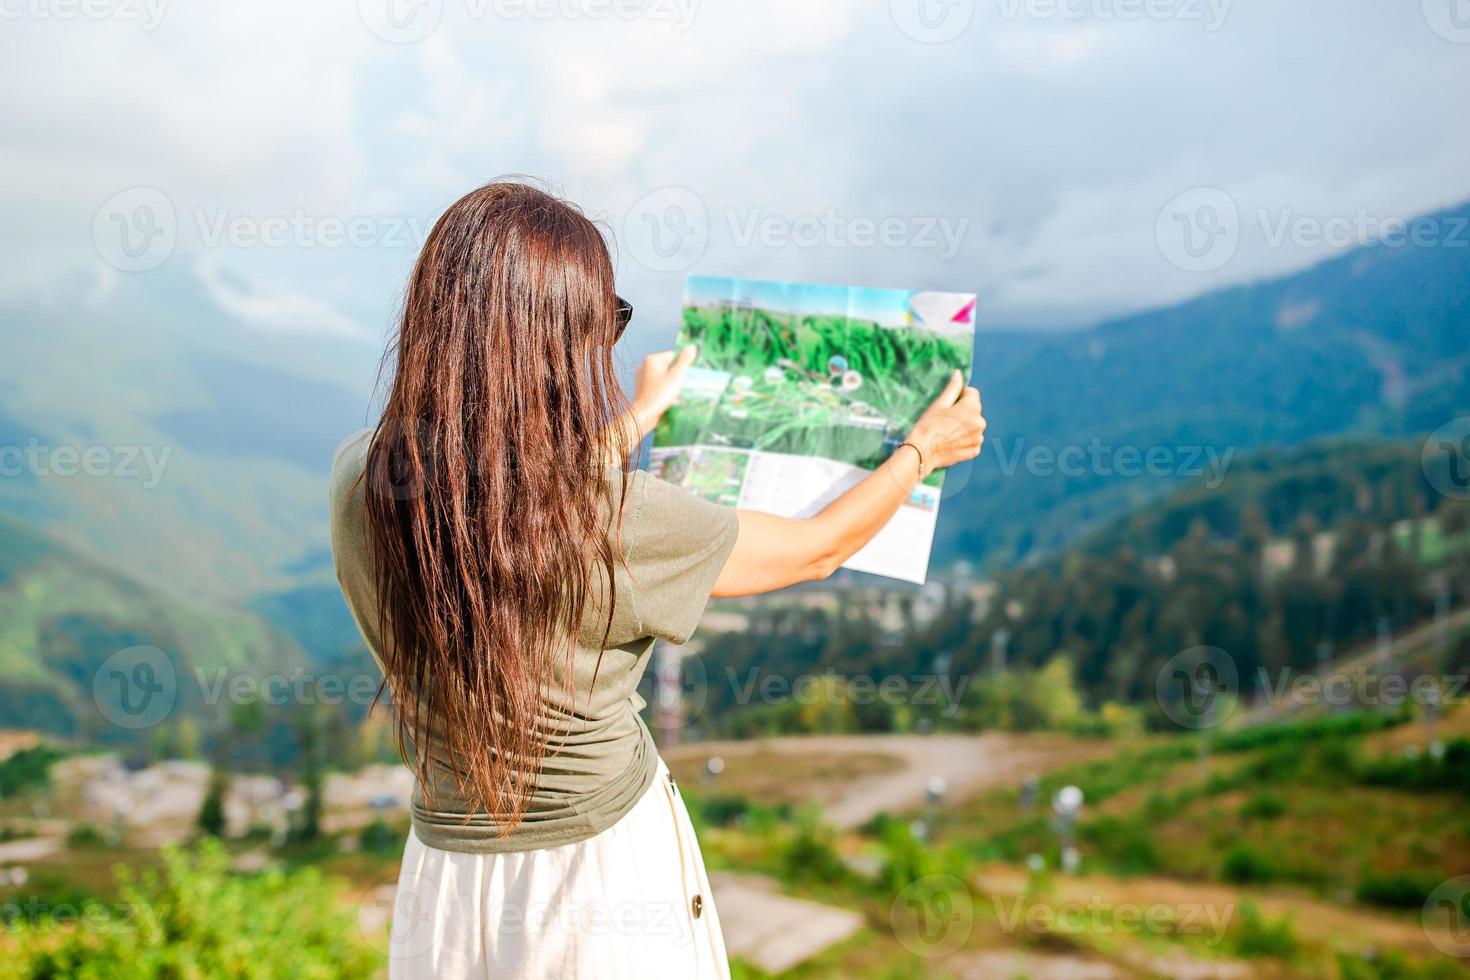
(272, 306)
(1056, 140)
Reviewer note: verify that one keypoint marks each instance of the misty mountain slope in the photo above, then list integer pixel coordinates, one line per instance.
(1371, 343)
(1375, 342)
(215, 439)
(62, 616)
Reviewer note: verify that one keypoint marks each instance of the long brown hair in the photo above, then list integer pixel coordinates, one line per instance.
(488, 522)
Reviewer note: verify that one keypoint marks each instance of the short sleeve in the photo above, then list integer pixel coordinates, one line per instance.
(677, 547)
(351, 550)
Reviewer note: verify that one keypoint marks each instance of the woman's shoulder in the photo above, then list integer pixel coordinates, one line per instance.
(350, 457)
(346, 475)
(663, 512)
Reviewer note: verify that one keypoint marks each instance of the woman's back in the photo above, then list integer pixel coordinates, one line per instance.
(600, 756)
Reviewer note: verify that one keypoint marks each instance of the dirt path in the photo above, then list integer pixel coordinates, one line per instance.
(891, 773)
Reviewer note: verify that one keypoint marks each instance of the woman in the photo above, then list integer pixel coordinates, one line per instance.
(511, 577)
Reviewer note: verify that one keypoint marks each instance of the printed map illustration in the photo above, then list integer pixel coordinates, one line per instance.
(800, 391)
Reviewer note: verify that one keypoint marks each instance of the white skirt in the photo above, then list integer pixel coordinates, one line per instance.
(633, 901)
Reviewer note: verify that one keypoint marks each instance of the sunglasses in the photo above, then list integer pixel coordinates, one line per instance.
(622, 316)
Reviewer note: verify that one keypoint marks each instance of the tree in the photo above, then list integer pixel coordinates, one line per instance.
(212, 810)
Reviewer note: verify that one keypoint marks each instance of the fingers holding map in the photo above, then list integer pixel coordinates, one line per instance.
(800, 390)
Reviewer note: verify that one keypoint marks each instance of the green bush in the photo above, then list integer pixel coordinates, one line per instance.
(195, 919)
(1259, 937)
(379, 838)
(1423, 772)
(26, 769)
(1398, 891)
(808, 856)
(84, 835)
(1126, 845)
(1263, 806)
(1394, 965)
(906, 859)
(1244, 866)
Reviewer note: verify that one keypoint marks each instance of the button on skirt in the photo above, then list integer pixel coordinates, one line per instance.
(633, 901)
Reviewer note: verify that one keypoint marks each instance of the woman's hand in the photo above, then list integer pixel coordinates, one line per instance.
(773, 552)
(951, 430)
(656, 384)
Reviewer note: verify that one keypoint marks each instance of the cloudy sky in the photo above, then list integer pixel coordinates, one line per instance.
(1065, 158)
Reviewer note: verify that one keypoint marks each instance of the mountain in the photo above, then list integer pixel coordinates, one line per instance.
(217, 436)
(212, 439)
(1375, 342)
(67, 621)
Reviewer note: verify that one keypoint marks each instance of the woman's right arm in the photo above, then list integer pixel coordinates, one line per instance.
(773, 552)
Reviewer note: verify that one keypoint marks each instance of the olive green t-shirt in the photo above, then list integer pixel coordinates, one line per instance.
(600, 757)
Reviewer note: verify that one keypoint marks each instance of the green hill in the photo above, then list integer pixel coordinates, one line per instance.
(1374, 343)
(62, 616)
